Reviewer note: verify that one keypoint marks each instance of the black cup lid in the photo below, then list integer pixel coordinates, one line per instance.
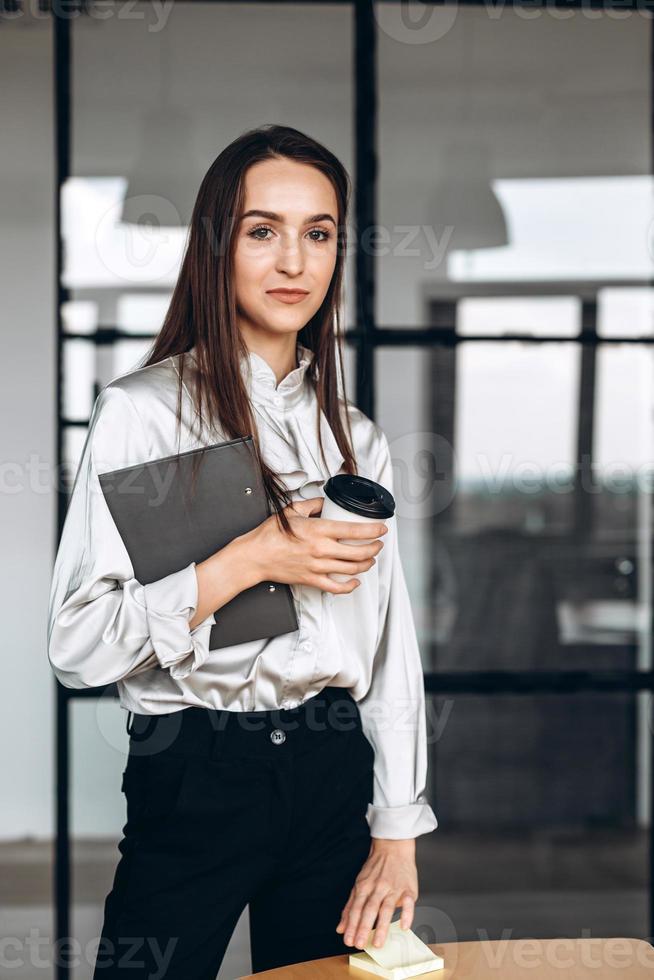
(360, 496)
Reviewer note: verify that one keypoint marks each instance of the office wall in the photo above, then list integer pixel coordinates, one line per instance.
(27, 443)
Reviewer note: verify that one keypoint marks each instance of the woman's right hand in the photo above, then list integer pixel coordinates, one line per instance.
(316, 552)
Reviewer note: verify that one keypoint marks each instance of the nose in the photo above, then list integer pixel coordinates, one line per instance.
(290, 257)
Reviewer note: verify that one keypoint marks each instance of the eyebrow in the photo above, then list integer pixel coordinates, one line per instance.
(273, 216)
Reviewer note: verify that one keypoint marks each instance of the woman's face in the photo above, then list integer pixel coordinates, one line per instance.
(286, 240)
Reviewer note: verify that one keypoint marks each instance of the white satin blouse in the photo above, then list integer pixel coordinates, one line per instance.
(104, 626)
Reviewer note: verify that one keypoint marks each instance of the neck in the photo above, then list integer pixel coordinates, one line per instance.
(280, 353)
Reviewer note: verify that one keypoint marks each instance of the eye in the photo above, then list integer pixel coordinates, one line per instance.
(320, 231)
(253, 232)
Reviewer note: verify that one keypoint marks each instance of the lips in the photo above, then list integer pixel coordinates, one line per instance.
(288, 295)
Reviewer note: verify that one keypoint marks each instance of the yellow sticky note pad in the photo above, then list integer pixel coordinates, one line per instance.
(403, 955)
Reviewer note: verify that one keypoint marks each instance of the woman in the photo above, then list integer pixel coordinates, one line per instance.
(244, 784)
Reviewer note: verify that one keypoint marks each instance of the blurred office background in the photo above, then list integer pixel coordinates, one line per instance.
(502, 328)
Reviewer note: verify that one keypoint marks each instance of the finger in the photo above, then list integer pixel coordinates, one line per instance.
(408, 909)
(329, 565)
(355, 913)
(307, 507)
(368, 915)
(351, 552)
(386, 910)
(328, 584)
(354, 529)
(345, 913)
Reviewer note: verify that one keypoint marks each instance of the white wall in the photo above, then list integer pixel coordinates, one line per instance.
(27, 517)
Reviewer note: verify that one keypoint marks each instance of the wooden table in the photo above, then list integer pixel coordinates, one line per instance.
(505, 959)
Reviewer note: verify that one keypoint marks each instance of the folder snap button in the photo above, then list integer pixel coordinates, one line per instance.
(277, 736)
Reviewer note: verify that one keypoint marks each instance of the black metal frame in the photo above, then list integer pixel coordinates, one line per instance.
(365, 337)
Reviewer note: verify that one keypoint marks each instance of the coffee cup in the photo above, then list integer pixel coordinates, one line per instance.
(349, 497)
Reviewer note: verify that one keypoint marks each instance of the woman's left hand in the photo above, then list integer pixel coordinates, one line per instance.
(388, 878)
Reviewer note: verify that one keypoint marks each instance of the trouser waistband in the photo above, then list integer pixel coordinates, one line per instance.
(200, 730)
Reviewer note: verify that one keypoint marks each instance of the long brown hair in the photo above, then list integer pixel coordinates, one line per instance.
(202, 310)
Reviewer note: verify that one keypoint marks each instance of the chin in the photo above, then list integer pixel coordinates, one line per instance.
(276, 326)
(292, 321)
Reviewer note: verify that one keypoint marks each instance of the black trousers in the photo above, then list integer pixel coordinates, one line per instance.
(226, 809)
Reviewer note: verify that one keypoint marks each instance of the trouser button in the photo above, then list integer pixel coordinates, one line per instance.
(277, 736)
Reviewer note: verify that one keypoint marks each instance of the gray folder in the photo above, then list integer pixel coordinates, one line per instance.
(170, 514)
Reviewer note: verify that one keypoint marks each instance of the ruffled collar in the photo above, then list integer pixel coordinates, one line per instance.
(262, 382)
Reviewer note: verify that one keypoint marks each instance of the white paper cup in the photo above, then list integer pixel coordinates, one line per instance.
(334, 512)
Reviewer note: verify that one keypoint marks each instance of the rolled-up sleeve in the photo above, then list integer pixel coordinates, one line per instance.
(393, 709)
(103, 624)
